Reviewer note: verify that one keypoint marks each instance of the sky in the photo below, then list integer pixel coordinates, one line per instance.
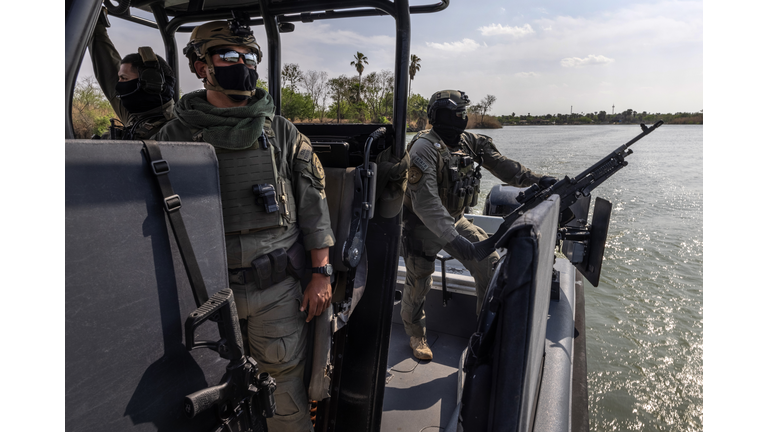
(538, 57)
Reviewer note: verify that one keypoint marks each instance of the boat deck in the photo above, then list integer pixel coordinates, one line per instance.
(422, 396)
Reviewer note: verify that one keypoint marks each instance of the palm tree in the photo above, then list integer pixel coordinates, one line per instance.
(412, 69)
(360, 58)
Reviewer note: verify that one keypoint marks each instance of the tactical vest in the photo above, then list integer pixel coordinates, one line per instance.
(140, 129)
(458, 182)
(254, 196)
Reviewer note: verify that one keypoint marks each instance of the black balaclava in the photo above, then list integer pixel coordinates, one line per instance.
(136, 100)
(449, 126)
(236, 77)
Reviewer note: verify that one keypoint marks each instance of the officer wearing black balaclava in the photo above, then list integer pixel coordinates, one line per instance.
(139, 86)
(443, 181)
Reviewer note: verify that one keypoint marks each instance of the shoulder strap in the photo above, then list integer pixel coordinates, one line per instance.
(172, 205)
(420, 134)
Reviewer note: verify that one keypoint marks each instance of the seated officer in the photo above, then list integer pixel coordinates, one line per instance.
(140, 86)
(273, 194)
(442, 182)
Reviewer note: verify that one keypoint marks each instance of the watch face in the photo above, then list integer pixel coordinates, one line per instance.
(326, 270)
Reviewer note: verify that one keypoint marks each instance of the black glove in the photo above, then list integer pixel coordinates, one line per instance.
(461, 248)
(547, 181)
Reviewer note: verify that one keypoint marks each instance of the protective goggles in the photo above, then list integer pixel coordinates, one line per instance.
(461, 114)
(232, 56)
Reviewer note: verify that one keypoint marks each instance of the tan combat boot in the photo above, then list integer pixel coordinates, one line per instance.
(420, 348)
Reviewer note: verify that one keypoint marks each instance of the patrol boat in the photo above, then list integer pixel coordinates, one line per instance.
(152, 341)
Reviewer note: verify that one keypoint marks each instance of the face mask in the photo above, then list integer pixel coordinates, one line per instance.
(236, 77)
(135, 100)
(449, 126)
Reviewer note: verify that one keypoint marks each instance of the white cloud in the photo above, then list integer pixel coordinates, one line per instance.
(527, 75)
(590, 60)
(466, 45)
(498, 29)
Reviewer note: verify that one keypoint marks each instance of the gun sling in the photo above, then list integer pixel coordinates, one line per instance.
(172, 204)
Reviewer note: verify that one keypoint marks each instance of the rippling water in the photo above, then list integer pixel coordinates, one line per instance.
(645, 319)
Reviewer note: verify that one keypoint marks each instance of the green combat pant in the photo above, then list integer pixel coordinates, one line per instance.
(277, 337)
(420, 247)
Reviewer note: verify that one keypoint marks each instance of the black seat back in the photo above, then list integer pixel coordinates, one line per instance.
(506, 355)
(127, 293)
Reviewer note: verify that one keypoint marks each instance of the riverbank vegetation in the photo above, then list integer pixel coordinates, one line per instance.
(314, 97)
(601, 117)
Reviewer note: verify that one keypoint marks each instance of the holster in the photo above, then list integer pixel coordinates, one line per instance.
(272, 268)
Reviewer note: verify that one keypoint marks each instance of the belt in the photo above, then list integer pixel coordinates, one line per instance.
(242, 276)
(272, 268)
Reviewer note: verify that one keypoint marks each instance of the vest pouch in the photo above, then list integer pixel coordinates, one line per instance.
(243, 203)
(474, 193)
(279, 260)
(456, 198)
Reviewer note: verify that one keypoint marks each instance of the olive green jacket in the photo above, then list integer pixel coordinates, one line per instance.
(106, 66)
(422, 196)
(311, 217)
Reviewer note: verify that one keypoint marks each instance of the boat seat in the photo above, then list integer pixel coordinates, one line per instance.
(127, 292)
(344, 192)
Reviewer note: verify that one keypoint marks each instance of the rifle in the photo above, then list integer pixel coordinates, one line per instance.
(569, 189)
(237, 408)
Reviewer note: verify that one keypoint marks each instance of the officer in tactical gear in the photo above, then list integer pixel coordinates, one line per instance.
(274, 207)
(443, 181)
(140, 86)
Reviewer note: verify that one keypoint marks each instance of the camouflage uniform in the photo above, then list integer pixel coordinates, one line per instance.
(434, 212)
(277, 331)
(106, 64)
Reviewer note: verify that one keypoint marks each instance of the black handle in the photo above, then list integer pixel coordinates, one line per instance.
(201, 400)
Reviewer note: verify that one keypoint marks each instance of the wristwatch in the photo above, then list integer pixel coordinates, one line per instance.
(326, 270)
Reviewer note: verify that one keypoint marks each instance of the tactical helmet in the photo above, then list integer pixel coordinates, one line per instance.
(219, 33)
(454, 100)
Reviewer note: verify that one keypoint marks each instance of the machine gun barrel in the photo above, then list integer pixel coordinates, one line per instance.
(569, 189)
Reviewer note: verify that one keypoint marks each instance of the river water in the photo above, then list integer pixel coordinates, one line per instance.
(644, 320)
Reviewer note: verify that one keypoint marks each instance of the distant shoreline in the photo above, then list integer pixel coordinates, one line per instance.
(596, 124)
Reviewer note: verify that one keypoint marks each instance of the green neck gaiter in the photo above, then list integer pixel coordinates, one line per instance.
(229, 128)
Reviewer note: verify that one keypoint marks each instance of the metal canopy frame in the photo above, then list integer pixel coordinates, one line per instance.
(81, 18)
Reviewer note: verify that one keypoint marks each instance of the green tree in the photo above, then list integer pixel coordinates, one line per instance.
(339, 89)
(90, 109)
(484, 107)
(376, 86)
(295, 105)
(417, 109)
(316, 85)
(601, 116)
(360, 58)
(292, 76)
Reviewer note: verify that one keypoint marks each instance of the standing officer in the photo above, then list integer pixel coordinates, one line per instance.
(272, 188)
(140, 86)
(442, 182)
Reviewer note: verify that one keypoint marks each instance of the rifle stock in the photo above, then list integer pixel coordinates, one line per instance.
(569, 189)
(242, 380)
